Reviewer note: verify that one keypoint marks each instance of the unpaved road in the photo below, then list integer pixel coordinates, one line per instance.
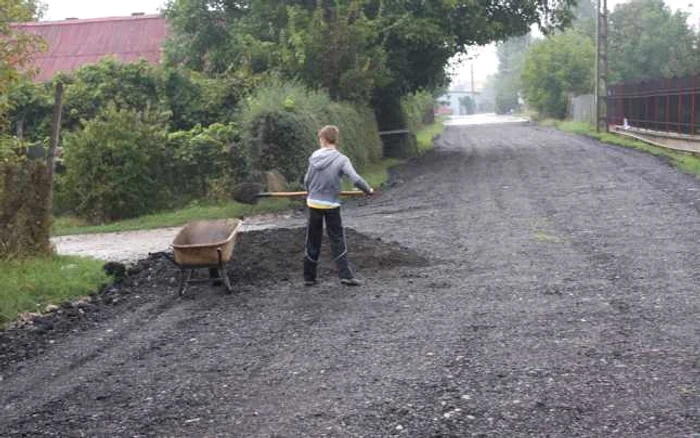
(559, 297)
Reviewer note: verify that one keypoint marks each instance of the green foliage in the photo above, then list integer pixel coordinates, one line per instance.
(418, 108)
(280, 122)
(194, 99)
(16, 46)
(366, 51)
(115, 165)
(190, 99)
(508, 83)
(31, 108)
(648, 40)
(29, 285)
(206, 162)
(467, 103)
(91, 88)
(556, 67)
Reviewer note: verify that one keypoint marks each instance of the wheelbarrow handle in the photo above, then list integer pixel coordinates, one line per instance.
(301, 194)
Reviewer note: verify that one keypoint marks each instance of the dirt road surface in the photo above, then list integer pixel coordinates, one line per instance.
(526, 283)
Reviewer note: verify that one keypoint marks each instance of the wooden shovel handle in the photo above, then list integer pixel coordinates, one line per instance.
(301, 194)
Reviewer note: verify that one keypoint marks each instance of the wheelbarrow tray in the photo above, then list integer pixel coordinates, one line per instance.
(206, 244)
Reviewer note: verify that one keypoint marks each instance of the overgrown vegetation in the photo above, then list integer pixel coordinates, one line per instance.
(556, 67)
(29, 285)
(24, 217)
(280, 122)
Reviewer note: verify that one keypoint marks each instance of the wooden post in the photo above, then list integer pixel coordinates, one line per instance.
(692, 105)
(55, 139)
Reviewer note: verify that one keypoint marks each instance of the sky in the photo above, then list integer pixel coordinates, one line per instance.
(485, 64)
(62, 9)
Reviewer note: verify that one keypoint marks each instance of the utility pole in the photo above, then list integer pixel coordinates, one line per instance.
(601, 66)
(53, 145)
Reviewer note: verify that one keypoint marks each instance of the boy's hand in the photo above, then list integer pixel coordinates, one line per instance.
(371, 191)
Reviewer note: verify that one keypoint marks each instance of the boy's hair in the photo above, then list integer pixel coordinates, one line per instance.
(329, 133)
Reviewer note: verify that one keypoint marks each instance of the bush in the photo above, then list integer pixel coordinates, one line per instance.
(206, 162)
(195, 100)
(114, 167)
(24, 221)
(419, 109)
(190, 98)
(280, 122)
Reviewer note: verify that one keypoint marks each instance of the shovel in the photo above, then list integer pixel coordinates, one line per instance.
(250, 193)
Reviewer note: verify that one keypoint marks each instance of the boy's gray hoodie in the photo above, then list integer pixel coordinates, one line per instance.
(326, 169)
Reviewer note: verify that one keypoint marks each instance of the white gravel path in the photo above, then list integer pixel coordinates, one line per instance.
(130, 246)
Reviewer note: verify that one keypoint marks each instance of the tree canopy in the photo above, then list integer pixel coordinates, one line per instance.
(554, 68)
(359, 50)
(648, 40)
(16, 46)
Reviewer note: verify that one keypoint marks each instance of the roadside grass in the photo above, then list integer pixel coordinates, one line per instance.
(30, 285)
(685, 161)
(64, 225)
(425, 134)
(376, 175)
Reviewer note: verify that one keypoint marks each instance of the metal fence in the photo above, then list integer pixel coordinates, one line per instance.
(668, 105)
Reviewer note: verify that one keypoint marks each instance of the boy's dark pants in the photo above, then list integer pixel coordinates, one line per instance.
(336, 234)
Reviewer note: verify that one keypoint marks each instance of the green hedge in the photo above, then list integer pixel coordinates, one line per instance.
(188, 98)
(114, 166)
(124, 164)
(280, 122)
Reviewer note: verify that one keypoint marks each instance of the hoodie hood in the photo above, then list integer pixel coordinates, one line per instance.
(323, 158)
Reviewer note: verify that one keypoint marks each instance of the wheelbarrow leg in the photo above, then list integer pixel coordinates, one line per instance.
(185, 276)
(223, 274)
(224, 277)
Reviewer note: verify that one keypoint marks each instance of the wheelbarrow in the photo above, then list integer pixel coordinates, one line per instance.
(204, 245)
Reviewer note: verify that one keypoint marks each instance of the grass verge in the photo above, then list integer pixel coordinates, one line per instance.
(30, 285)
(686, 161)
(426, 134)
(69, 225)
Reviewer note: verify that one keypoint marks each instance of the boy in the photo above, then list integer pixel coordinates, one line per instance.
(326, 168)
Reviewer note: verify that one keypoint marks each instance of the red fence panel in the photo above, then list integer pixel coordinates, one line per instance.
(667, 105)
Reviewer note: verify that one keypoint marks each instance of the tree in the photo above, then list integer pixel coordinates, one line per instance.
(356, 49)
(467, 105)
(648, 40)
(507, 83)
(556, 67)
(16, 47)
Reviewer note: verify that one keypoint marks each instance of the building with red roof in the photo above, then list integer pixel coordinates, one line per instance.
(73, 43)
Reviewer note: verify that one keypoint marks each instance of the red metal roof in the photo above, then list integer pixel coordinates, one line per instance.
(73, 43)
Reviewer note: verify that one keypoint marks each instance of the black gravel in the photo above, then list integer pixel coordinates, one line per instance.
(542, 285)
